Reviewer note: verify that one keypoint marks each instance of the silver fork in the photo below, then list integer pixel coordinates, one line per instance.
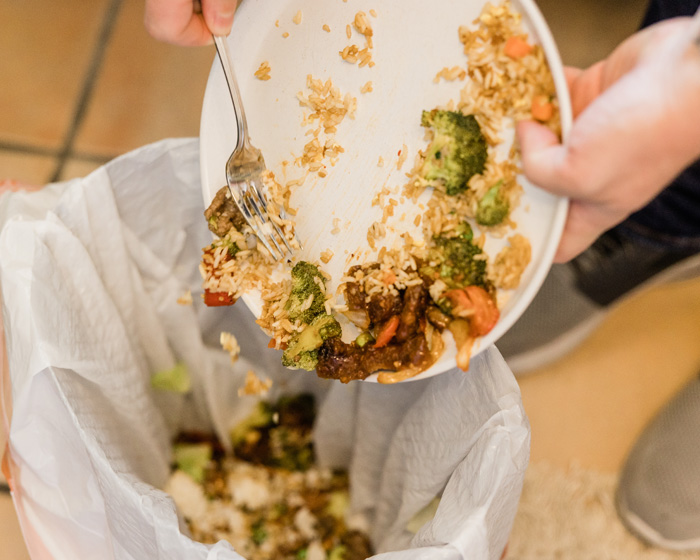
(244, 170)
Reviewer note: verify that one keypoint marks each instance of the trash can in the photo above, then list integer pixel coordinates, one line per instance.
(91, 271)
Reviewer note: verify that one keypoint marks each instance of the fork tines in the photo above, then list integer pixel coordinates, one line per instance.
(252, 204)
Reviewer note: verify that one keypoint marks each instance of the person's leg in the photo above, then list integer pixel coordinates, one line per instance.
(658, 496)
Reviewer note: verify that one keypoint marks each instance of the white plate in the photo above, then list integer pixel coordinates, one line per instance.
(413, 40)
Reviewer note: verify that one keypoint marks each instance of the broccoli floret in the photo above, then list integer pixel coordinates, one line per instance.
(231, 245)
(493, 208)
(459, 267)
(302, 352)
(278, 434)
(193, 458)
(261, 417)
(291, 449)
(258, 532)
(464, 231)
(456, 261)
(456, 153)
(303, 360)
(304, 286)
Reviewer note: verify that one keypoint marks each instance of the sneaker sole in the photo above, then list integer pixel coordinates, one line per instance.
(525, 363)
(644, 532)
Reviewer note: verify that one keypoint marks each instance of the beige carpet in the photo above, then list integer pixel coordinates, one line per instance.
(571, 515)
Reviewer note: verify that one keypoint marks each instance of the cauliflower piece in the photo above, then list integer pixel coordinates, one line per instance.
(188, 495)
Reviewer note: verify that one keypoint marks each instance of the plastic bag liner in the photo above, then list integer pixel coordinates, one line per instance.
(90, 272)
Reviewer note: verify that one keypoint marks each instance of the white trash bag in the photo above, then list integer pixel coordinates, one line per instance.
(91, 271)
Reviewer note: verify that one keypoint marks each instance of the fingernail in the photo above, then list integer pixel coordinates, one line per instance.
(222, 23)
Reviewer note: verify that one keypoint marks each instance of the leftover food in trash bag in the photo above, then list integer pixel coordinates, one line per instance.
(269, 498)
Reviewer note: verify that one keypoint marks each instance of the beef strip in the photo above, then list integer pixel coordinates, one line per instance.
(347, 362)
(378, 309)
(355, 297)
(382, 307)
(339, 360)
(223, 214)
(415, 302)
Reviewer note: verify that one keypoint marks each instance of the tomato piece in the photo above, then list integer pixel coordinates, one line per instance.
(218, 299)
(387, 332)
(477, 306)
(461, 304)
(486, 312)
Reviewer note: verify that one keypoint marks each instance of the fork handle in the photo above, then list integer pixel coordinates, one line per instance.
(241, 123)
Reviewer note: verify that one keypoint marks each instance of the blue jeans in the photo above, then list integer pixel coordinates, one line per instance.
(672, 219)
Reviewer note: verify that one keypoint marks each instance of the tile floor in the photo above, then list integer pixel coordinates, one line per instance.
(83, 83)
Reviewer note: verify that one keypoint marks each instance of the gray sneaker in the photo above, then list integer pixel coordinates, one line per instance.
(576, 296)
(658, 497)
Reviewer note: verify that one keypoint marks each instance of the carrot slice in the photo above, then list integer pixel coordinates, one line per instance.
(486, 312)
(477, 306)
(542, 108)
(387, 332)
(461, 304)
(517, 47)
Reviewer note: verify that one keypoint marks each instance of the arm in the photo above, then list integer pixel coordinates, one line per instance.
(177, 21)
(636, 126)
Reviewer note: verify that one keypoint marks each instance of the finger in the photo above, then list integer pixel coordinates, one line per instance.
(542, 155)
(570, 74)
(585, 87)
(174, 21)
(218, 15)
(573, 244)
(584, 224)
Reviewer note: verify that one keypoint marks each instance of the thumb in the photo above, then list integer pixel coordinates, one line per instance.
(542, 155)
(218, 15)
(584, 224)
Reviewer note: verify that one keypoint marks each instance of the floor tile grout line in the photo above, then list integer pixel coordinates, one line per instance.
(108, 24)
(34, 150)
(28, 149)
